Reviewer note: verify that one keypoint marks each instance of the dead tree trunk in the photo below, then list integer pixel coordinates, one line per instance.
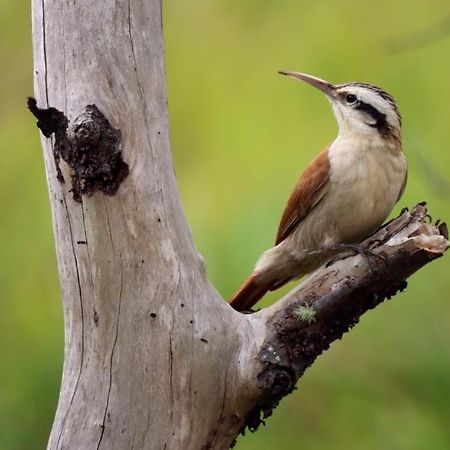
(154, 358)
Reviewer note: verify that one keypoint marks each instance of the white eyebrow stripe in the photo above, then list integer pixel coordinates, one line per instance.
(376, 90)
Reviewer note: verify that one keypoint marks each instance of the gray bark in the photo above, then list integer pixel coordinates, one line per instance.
(154, 358)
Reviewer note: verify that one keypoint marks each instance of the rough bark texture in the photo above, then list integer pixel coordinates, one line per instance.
(154, 359)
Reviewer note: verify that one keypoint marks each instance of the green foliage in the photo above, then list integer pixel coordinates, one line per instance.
(241, 134)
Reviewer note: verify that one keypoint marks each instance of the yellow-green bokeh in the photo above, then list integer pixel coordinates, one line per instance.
(241, 134)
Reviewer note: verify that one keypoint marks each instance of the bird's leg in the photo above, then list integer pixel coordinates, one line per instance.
(357, 249)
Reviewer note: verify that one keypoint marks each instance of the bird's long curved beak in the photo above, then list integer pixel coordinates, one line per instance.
(322, 85)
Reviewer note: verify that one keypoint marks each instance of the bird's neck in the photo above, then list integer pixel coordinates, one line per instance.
(367, 138)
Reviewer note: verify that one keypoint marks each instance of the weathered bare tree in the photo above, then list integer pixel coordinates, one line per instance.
(154, 358)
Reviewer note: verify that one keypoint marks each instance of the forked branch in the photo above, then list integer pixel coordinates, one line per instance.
(153, 358)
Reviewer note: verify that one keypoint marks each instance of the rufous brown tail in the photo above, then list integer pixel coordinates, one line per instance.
(249, 293)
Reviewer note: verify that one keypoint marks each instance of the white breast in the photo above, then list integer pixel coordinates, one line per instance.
(365, 182)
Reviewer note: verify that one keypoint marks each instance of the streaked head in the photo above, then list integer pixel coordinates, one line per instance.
(359, 107)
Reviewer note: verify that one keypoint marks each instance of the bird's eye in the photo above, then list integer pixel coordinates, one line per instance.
(351, 99)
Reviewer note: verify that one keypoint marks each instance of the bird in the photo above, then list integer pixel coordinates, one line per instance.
(343, 195)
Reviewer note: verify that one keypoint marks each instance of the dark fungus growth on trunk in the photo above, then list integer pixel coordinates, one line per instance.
(298, 341)
(89, 145)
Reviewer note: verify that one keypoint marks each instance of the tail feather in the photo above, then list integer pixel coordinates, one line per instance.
(249, 293)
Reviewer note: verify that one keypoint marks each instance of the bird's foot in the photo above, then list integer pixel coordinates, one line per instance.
(357, 249)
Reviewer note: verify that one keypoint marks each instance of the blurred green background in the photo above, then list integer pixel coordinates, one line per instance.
(241, 134)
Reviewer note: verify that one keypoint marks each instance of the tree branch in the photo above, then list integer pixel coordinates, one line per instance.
(304, 323)
(154, 359)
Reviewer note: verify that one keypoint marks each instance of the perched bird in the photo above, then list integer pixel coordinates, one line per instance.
(344, 194)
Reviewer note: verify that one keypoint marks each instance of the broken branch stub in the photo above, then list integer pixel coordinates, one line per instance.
(89, 145)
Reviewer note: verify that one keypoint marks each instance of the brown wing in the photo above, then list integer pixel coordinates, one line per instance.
(307, 194)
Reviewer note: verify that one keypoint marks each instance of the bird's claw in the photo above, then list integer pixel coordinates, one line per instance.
(374, 243)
